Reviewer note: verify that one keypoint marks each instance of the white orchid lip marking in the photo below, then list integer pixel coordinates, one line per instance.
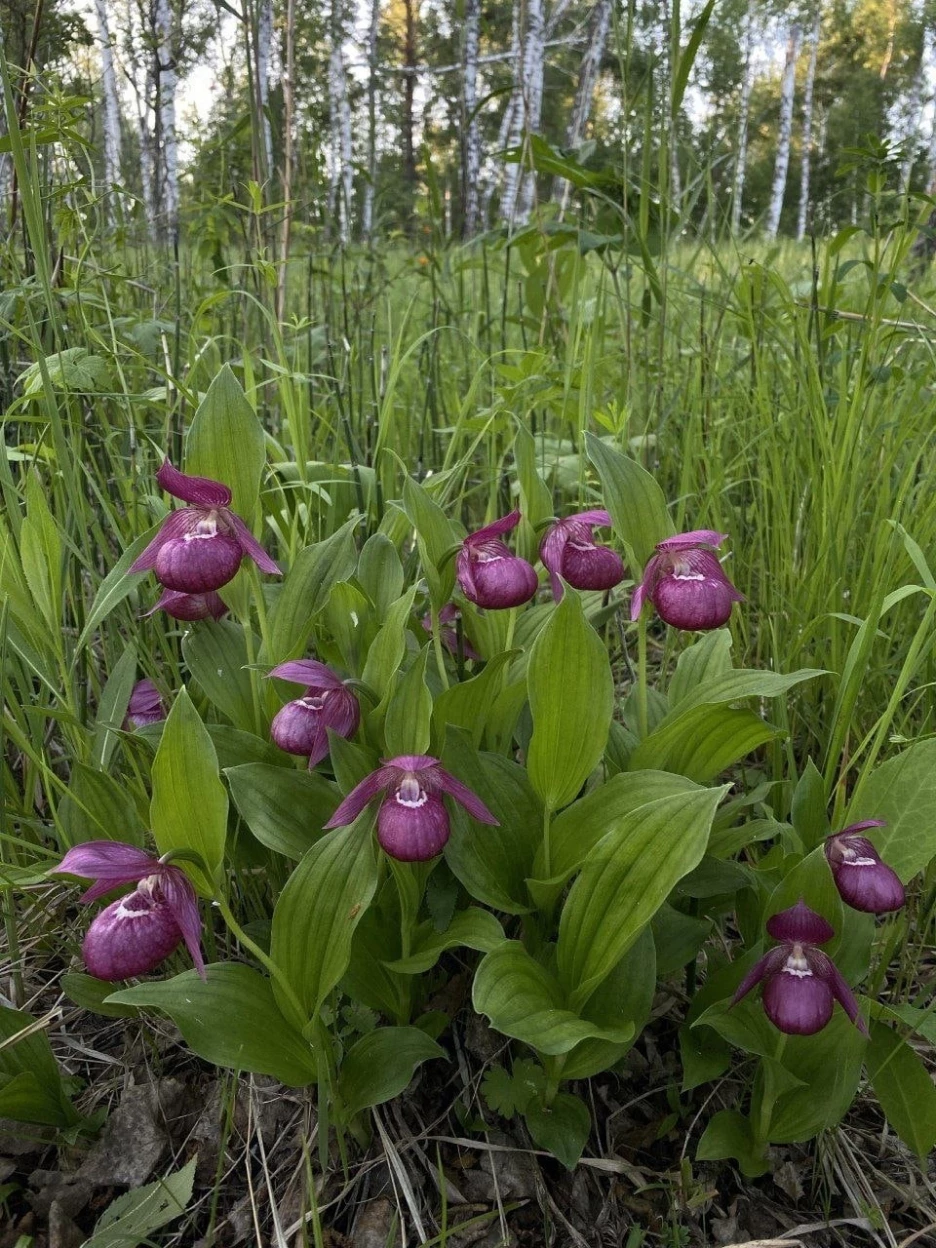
(411, 793)
(797, 965)
(688, 576)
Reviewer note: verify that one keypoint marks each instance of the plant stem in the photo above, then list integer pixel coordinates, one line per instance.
(437, 646)
(642, 717)
(243, 939)
(547, 859)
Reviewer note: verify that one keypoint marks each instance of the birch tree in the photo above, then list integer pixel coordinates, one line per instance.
(370, 188)
(747, 86)
(784, 132)
(341, 173)
(111, 107)
(595, 40)
(263, 57)
(471, 131)
(808, 124)
(167, 148)
(289, 80)
(525, 117)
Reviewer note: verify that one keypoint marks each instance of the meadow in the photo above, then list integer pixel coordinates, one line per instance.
(494, 996)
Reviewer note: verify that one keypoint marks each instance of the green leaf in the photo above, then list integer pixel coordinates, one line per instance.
(380, 573)
(535, 497)
(189, 806)
(226, 442)
(902, 791)
(634, 499)
(75, 369)
(116, 586)
(381, 1065)
(216, 655)
(507, 1093)
(524, 1001)
(571, 694)
(686, 58)
(828, 1066)
(31, 1088)
(112, 707)
(98, 807)
(904, 1087)
(705, 659)
(472, 929)
(319, 908)
(131, 1219)
(435, 537)
(409, 712)
(230, 1019)
(704, 1055)
(730, 1134)
(625, 880)
(808, 813)
(285, 809)
(91, 994)
(389, 646)
(562, 1128)
(469, 703)
(41, 555)
(305, 591)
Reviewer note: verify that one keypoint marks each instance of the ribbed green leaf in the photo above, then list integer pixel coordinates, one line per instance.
(226, 442)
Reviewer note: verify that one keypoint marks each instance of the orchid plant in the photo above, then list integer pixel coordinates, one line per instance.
(576, 823)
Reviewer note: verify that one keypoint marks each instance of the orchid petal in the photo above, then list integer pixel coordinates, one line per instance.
(308, 672)
(769, 964)
(360, 795)
(200, 491)
(175, 525)
(799, 924)
(860, 827)
(183, 905)
(411, 762)
(320, 746)
(462, 794)
(841, 991)
(646, 585)
(189, 607)
(598, 517)
(496, 529)
(697, 537)
(551, 548)
(110, 863)
(250, 546)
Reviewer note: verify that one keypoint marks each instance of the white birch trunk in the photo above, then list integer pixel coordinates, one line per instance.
(111, 108)
(512, 123)
(370, 189)
(807, 126)
(341, 174)
(264, 51)
(289, 78)
(747, 86)
(534, 68)
(669, 121)
(595, 40)
(471, 131)
(169, 148)
(785, 133)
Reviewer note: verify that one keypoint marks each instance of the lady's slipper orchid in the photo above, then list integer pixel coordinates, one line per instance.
(301, 727)
(145, 706)
(490, 576)
(412, 823)
(190, 607)
(864, 882)
(569, 550)
(135, 933)
(801, 983)
(449, 635)
(686, 583)
(199, 548)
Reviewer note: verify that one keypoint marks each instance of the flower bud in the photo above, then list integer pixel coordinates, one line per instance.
(686, 583)
(489, 574)
(569, 550)
(863, 880)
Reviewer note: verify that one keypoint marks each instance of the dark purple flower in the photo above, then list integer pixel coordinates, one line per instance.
(301, 727)
(686, 583)
(801, 983)
(569, 550)
(490, 576)
(190, 607)
(199, 548)
(412, 823)
(145, 706)
(864, 882)
(448, 616)
(135, 933)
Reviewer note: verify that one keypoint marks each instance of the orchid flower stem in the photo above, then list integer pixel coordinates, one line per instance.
(768, 1095)
(299, 1016)
(437, 645)
(547, 822)
(554, 1067)
(260, 603)
(254, 677)
(511, 626)
(642, 717)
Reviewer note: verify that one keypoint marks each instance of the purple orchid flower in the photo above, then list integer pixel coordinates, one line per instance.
(569, 550)
(448, 616)
(801, 983)
(686, 583)
(134, 934)
(489, 575)
(190, 607)
(145, 706)
(301, 727)
(412, 823)
(199, 548)
(863, 880)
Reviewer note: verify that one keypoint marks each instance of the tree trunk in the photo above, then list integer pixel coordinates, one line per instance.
(409, 92)
(264, 47)
(669, 120)
(747, 86)
(168, 145)
(595, 40)
(341, 174)
(111, 109)
(471, 131)
(534, 68)
(289, 78)
(370, 188)
(807, 126)
(785, 133)
(514, 102)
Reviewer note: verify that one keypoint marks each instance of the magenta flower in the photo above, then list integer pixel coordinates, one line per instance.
(199, 548)
(145, 706)
(569, 550)
(490, 576)
(686, 583)
(412, 823)
(801, 983)
(447, 617)
(135, 933)
(190, 607)
(864, 882)
(301, 727)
